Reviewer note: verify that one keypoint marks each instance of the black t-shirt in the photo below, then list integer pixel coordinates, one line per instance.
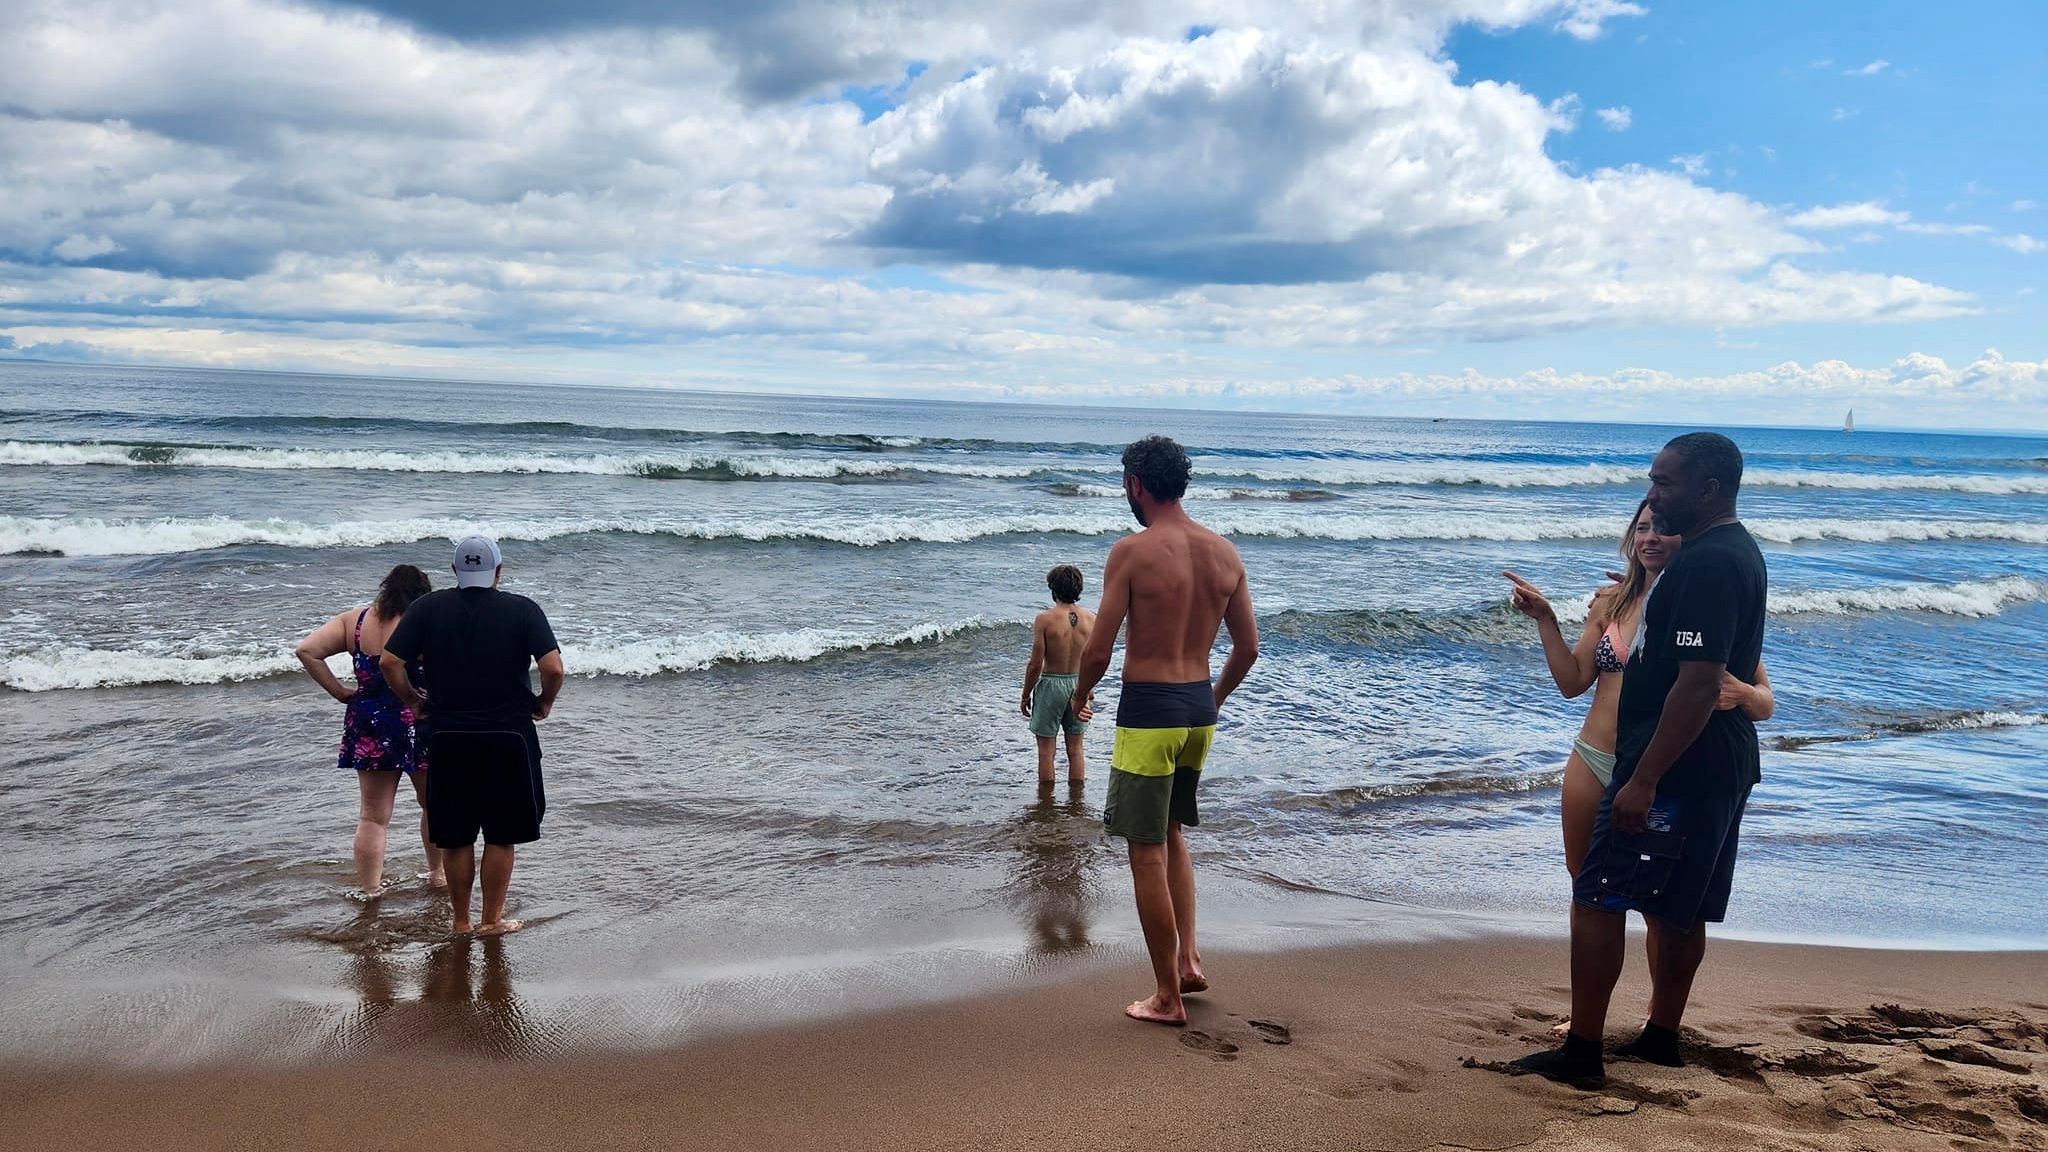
(476, 644)
(1708, 605)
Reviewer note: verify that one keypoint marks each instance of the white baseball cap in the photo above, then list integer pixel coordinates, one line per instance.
(476, 562)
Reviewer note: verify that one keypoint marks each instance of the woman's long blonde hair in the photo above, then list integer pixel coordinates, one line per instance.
(1611, 601)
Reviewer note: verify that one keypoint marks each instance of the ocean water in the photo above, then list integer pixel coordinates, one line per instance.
(796, 628)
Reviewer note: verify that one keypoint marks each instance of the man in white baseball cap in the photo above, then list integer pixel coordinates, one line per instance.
(478, 563)
(477, 645)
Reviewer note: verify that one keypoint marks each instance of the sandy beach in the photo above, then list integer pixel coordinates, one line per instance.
(1375, 1046)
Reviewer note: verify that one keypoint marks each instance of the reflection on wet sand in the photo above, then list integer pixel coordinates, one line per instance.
(1056, 837)
(465, 1000)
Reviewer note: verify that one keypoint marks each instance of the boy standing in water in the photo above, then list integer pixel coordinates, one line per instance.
(1057, 638)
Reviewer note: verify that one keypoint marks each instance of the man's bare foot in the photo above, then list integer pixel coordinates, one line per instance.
(500, 927)
(1153, 1011)
(464, 928)
(1191, 982)
(436, 880)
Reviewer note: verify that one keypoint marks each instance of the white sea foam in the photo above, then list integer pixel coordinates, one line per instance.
(1322, 472)
(63, 666)
(89, 536)
(1966, 598)
(43, 669)
(1501, 475)
(52, 667)
(28, 453)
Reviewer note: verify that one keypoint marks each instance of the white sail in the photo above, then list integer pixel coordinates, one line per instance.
(1849, 421)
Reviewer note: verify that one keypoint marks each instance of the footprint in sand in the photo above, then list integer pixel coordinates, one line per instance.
(1214, 1045)
(1270, 1032)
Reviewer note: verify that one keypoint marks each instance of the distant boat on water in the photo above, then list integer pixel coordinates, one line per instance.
(1849, 421)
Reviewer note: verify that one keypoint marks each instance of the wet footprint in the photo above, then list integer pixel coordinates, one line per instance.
(1270, 1032)
(1203, 1042)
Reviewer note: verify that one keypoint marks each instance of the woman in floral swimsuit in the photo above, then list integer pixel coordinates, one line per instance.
(377, 739)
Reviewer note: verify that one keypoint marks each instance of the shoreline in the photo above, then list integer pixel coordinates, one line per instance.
(1345, 1046)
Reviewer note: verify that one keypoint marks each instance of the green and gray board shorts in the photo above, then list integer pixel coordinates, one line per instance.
(1052, 707)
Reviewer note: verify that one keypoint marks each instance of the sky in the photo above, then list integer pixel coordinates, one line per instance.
(1736, 211)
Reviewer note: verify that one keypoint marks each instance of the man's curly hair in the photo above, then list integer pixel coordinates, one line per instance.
(1161, 465)
(1065, 582)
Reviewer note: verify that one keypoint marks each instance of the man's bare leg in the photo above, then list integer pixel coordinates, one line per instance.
(1045, 759)
(377, 792)
(1180, 881)
(497, 882)
(1674, 959)
(1155, 917)
(461, 866)
(1599, 945)
(1077, 760)
(1599, 948)
(436, 875)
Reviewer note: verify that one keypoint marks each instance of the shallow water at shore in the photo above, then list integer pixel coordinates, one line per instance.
(787, 768)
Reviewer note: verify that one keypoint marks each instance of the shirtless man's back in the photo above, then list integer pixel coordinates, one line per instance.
(1176, 584)
(1058, 637)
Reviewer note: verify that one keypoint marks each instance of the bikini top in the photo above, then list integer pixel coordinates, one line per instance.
(1606, 657)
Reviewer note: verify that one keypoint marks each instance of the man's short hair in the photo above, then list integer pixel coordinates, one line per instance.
(1161, 465)
(1065, 582)
(1710, 456)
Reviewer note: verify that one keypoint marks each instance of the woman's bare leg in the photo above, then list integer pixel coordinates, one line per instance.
(1581, 806)
(437, 873)
(1582, 793)
(378, 790)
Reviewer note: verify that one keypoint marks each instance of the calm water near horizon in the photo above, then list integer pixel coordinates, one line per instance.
(795, 627)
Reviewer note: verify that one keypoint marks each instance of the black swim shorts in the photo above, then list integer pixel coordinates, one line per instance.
(486, 782)
(1680, 872)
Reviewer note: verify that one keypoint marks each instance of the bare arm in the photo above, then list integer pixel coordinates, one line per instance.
(329, 639)
(1760, 704)
(1244, 639)
(1109, 620)
(1572, 666)
(1687, 707)
(551, 676)
(1032, 666)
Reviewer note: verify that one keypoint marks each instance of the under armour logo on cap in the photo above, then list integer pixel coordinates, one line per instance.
(476, 561)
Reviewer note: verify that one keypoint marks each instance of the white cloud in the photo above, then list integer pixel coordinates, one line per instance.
(79, 247)
(2022, 243)
(1616, 119)
(1870, 69)
(1943, 229)
(2024, 206)
(1841, 114)
(1866, 214)
(1692, 164)
(1586, 19)
(1081, 186)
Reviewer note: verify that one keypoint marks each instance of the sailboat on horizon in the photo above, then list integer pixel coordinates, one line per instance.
(1849, 421)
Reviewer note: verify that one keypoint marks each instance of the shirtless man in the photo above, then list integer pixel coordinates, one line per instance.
(1177, 582)
(1057, 637)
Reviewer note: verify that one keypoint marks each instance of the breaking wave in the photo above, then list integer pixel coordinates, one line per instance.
(92, 536)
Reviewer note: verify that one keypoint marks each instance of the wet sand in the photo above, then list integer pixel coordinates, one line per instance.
(1372, 1046)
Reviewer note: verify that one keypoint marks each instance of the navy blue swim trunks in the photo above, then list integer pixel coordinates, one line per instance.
(1680, 871)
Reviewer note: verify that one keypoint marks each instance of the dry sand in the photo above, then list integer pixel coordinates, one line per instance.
(1370, 1047)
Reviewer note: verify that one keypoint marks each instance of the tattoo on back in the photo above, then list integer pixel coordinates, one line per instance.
(1073, 619)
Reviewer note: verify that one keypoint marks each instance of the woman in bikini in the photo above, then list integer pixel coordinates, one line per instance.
(1596, 662)
(377, 739)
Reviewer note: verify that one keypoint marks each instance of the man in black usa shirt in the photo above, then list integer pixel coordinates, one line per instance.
(1664, 842)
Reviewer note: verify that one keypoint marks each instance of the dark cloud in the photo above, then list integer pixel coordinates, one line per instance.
(778, 49)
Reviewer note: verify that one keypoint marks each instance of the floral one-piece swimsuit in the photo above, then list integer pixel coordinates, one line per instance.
(377, 731)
